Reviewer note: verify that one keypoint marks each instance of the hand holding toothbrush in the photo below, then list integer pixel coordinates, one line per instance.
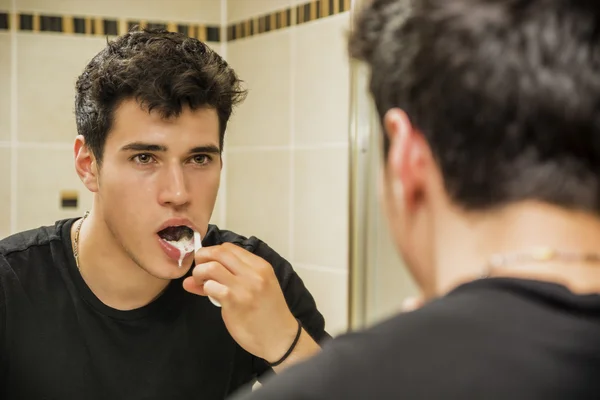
(253, 306)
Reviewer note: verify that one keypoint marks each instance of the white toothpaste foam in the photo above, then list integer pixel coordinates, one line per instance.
(185, 246)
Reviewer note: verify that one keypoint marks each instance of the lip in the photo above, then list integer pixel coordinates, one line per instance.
(171, 251)
(178, 222)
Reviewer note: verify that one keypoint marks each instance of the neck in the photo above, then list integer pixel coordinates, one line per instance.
(465, 244)
(111, 274)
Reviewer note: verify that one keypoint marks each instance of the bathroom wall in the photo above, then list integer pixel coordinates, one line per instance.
(287, 146)
(44, 46)
(285, 177)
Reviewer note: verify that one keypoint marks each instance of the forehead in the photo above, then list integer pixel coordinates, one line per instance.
(132, 123)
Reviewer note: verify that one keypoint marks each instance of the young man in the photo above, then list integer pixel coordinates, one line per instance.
(106, 306)
(492, 189)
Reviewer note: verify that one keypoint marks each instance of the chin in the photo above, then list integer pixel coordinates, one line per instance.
(170, 270)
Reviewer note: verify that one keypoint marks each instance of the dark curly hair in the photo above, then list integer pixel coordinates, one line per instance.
(163, 71)
(506, 92)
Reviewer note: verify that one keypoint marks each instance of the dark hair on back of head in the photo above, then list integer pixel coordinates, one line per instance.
(506, 92)
(163, 71)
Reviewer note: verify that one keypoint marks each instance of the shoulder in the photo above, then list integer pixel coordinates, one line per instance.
(216, 236)
(394, 358)
(26, 240)
(19, 248)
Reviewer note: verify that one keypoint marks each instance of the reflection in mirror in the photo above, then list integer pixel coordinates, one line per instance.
(130, 194)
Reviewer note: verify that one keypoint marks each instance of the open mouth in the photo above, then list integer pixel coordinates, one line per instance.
(180, 238)
(177, 234)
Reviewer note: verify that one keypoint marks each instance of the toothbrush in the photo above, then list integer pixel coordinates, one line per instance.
(198, 246)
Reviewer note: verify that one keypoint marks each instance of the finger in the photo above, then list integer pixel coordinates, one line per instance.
(217, 291)
(212, 271)
(243, 254)
(190, 285)
(224, 256)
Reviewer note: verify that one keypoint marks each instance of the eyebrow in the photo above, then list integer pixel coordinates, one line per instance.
(140, 146)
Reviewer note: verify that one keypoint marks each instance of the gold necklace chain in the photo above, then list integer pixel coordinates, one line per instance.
(76, 241)
(538, 255)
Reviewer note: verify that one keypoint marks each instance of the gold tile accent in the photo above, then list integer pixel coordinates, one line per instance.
(69, 194)
(122, 26)
(313, 10)
(324, 8)
(273, 21)
(36, 22)
(88, 25)
(98, 26)
(247, 28)
(283, 17)
(201, 33)
(261, 25)
(14, 21)
(143, 24)
(336, 6)
(346, 5)
(300, 13)
(68, 25)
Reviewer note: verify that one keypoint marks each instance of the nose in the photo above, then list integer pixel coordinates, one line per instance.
(174, 191)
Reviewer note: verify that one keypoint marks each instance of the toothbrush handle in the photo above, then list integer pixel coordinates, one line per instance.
(197, 246)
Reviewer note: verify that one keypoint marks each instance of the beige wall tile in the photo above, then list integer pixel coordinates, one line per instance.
(206, 11)
(239, 10)
(5, 192)
(6, 5)
(48, 67)
(258, 188)
(320, 207)
(329, 287)
(5, 86)
(216, 215)
(39, 187)
(322, 81)
(263, 62)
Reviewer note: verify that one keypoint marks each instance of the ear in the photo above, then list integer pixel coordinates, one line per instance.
(85, 164)
(407, 160)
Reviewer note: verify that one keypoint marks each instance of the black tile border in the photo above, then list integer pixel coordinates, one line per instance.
(4, 21)
(284, 18)
(100, 26)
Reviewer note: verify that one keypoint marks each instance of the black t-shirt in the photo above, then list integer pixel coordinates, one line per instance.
(489, 339)
(59, 341)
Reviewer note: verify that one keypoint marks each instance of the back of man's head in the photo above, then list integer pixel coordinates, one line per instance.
(506, 93)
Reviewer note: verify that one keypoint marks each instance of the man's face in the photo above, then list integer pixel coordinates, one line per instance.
(157, 173)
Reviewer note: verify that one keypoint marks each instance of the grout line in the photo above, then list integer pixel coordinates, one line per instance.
(322, 146)
(13, 120)
(320, 268)
(292, 104)
(41, 145)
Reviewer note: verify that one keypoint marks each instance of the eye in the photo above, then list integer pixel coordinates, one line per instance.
(201, 159)
(143, 158)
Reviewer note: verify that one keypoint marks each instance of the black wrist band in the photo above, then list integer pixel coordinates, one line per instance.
(292, 347)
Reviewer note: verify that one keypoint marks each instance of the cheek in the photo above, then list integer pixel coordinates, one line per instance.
(125, 187)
